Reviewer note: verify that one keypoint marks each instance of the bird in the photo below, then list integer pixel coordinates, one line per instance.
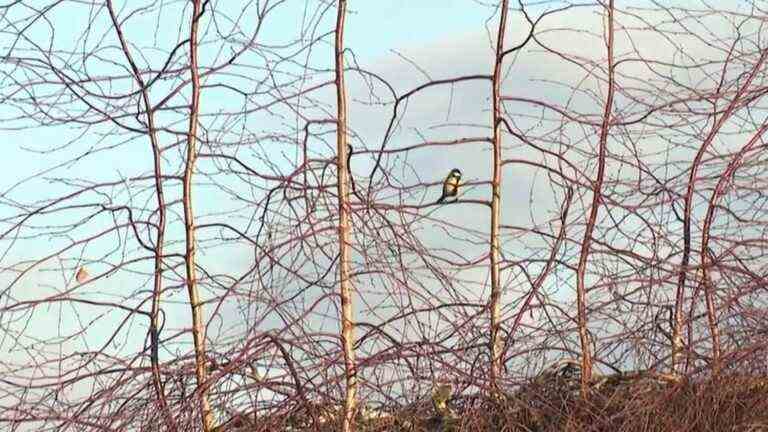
(441, 394)
(450, 185)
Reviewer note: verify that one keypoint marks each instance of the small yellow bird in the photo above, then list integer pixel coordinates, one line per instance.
(441, 394)
(450, 185)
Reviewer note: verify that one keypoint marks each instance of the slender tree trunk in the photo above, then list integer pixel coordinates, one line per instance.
(495, 303)
(198, 328)
(154, 326)
(158, 276)
(597, 186)
(345, 287)
(154, 332)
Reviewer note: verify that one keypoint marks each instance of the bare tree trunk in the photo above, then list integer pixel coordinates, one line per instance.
(495, 304)
(198, 329)
(597, 185)
(159, 242)
(345, 288)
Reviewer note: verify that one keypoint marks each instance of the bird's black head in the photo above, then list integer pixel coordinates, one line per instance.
(456, 172)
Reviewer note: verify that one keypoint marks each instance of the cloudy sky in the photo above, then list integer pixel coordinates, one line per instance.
(407, 43)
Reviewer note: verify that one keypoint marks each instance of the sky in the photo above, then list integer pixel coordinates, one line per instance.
(376, 33)
(406, 41)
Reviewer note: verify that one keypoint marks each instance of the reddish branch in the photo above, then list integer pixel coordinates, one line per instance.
(677, 343)
(706, 265)
(547, 267)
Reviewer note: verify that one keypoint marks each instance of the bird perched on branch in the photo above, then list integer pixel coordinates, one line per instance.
(450, 185)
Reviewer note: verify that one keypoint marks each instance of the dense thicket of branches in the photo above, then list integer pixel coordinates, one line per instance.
(185, 167)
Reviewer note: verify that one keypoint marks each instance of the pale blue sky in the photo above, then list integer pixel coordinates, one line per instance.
(374, 30)
(444, 37)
